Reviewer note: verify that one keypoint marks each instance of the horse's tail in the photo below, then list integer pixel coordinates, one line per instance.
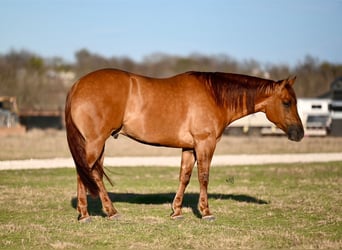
(77, 144)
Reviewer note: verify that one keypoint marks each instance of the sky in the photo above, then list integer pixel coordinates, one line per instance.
(269, 31)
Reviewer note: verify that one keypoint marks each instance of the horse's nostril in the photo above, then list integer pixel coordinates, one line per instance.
(295, 132)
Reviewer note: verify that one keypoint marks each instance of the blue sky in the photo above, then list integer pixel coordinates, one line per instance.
(270, 31)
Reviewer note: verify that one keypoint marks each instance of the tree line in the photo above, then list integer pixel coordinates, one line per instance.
(42, 83)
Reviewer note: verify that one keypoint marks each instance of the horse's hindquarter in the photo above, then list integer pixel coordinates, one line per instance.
(168, 112)
(97, 102)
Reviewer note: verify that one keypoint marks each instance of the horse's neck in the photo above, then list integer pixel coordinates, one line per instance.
(259, 106)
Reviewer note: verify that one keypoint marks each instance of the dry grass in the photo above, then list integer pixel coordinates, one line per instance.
(52, 143)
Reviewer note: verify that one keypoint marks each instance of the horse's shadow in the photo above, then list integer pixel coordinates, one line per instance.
(190, 200)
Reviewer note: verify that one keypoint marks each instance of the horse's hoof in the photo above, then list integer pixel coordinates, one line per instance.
(114, 217)
(209, 218)
(177, 217)
(85, 220)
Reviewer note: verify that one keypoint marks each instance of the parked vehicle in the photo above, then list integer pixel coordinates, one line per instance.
(9, 116)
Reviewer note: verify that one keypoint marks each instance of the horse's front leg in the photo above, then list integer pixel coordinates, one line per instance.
(187, 164)
(204, 154)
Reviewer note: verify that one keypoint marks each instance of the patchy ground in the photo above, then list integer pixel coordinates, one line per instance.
(218, 160)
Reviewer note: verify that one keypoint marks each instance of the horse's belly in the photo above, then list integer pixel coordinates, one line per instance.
(159, 134)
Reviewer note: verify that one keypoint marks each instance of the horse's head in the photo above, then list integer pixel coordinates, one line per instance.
(281, 109)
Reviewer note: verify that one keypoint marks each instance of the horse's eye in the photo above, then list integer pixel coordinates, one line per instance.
(287, 104)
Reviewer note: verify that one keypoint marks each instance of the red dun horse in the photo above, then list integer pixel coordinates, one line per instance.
(188, 111)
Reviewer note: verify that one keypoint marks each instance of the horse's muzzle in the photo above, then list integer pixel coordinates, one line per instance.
(295, 132)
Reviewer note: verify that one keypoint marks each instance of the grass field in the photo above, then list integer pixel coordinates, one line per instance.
(271, 206)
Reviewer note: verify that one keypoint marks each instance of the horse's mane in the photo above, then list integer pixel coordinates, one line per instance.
(229, 90)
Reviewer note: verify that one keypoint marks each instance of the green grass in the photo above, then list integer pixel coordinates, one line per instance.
(271, 206)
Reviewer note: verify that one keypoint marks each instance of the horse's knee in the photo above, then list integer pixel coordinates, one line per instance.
(185, 178)
(204, 178)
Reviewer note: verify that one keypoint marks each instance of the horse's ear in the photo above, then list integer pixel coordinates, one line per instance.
(286, 81)
(292, 81)
(283, 83)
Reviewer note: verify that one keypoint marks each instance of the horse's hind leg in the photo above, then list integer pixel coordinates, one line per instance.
(107, 204)
(82, 202)
(188, 161)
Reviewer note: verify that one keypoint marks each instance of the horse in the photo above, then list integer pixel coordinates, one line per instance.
(188, 111)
